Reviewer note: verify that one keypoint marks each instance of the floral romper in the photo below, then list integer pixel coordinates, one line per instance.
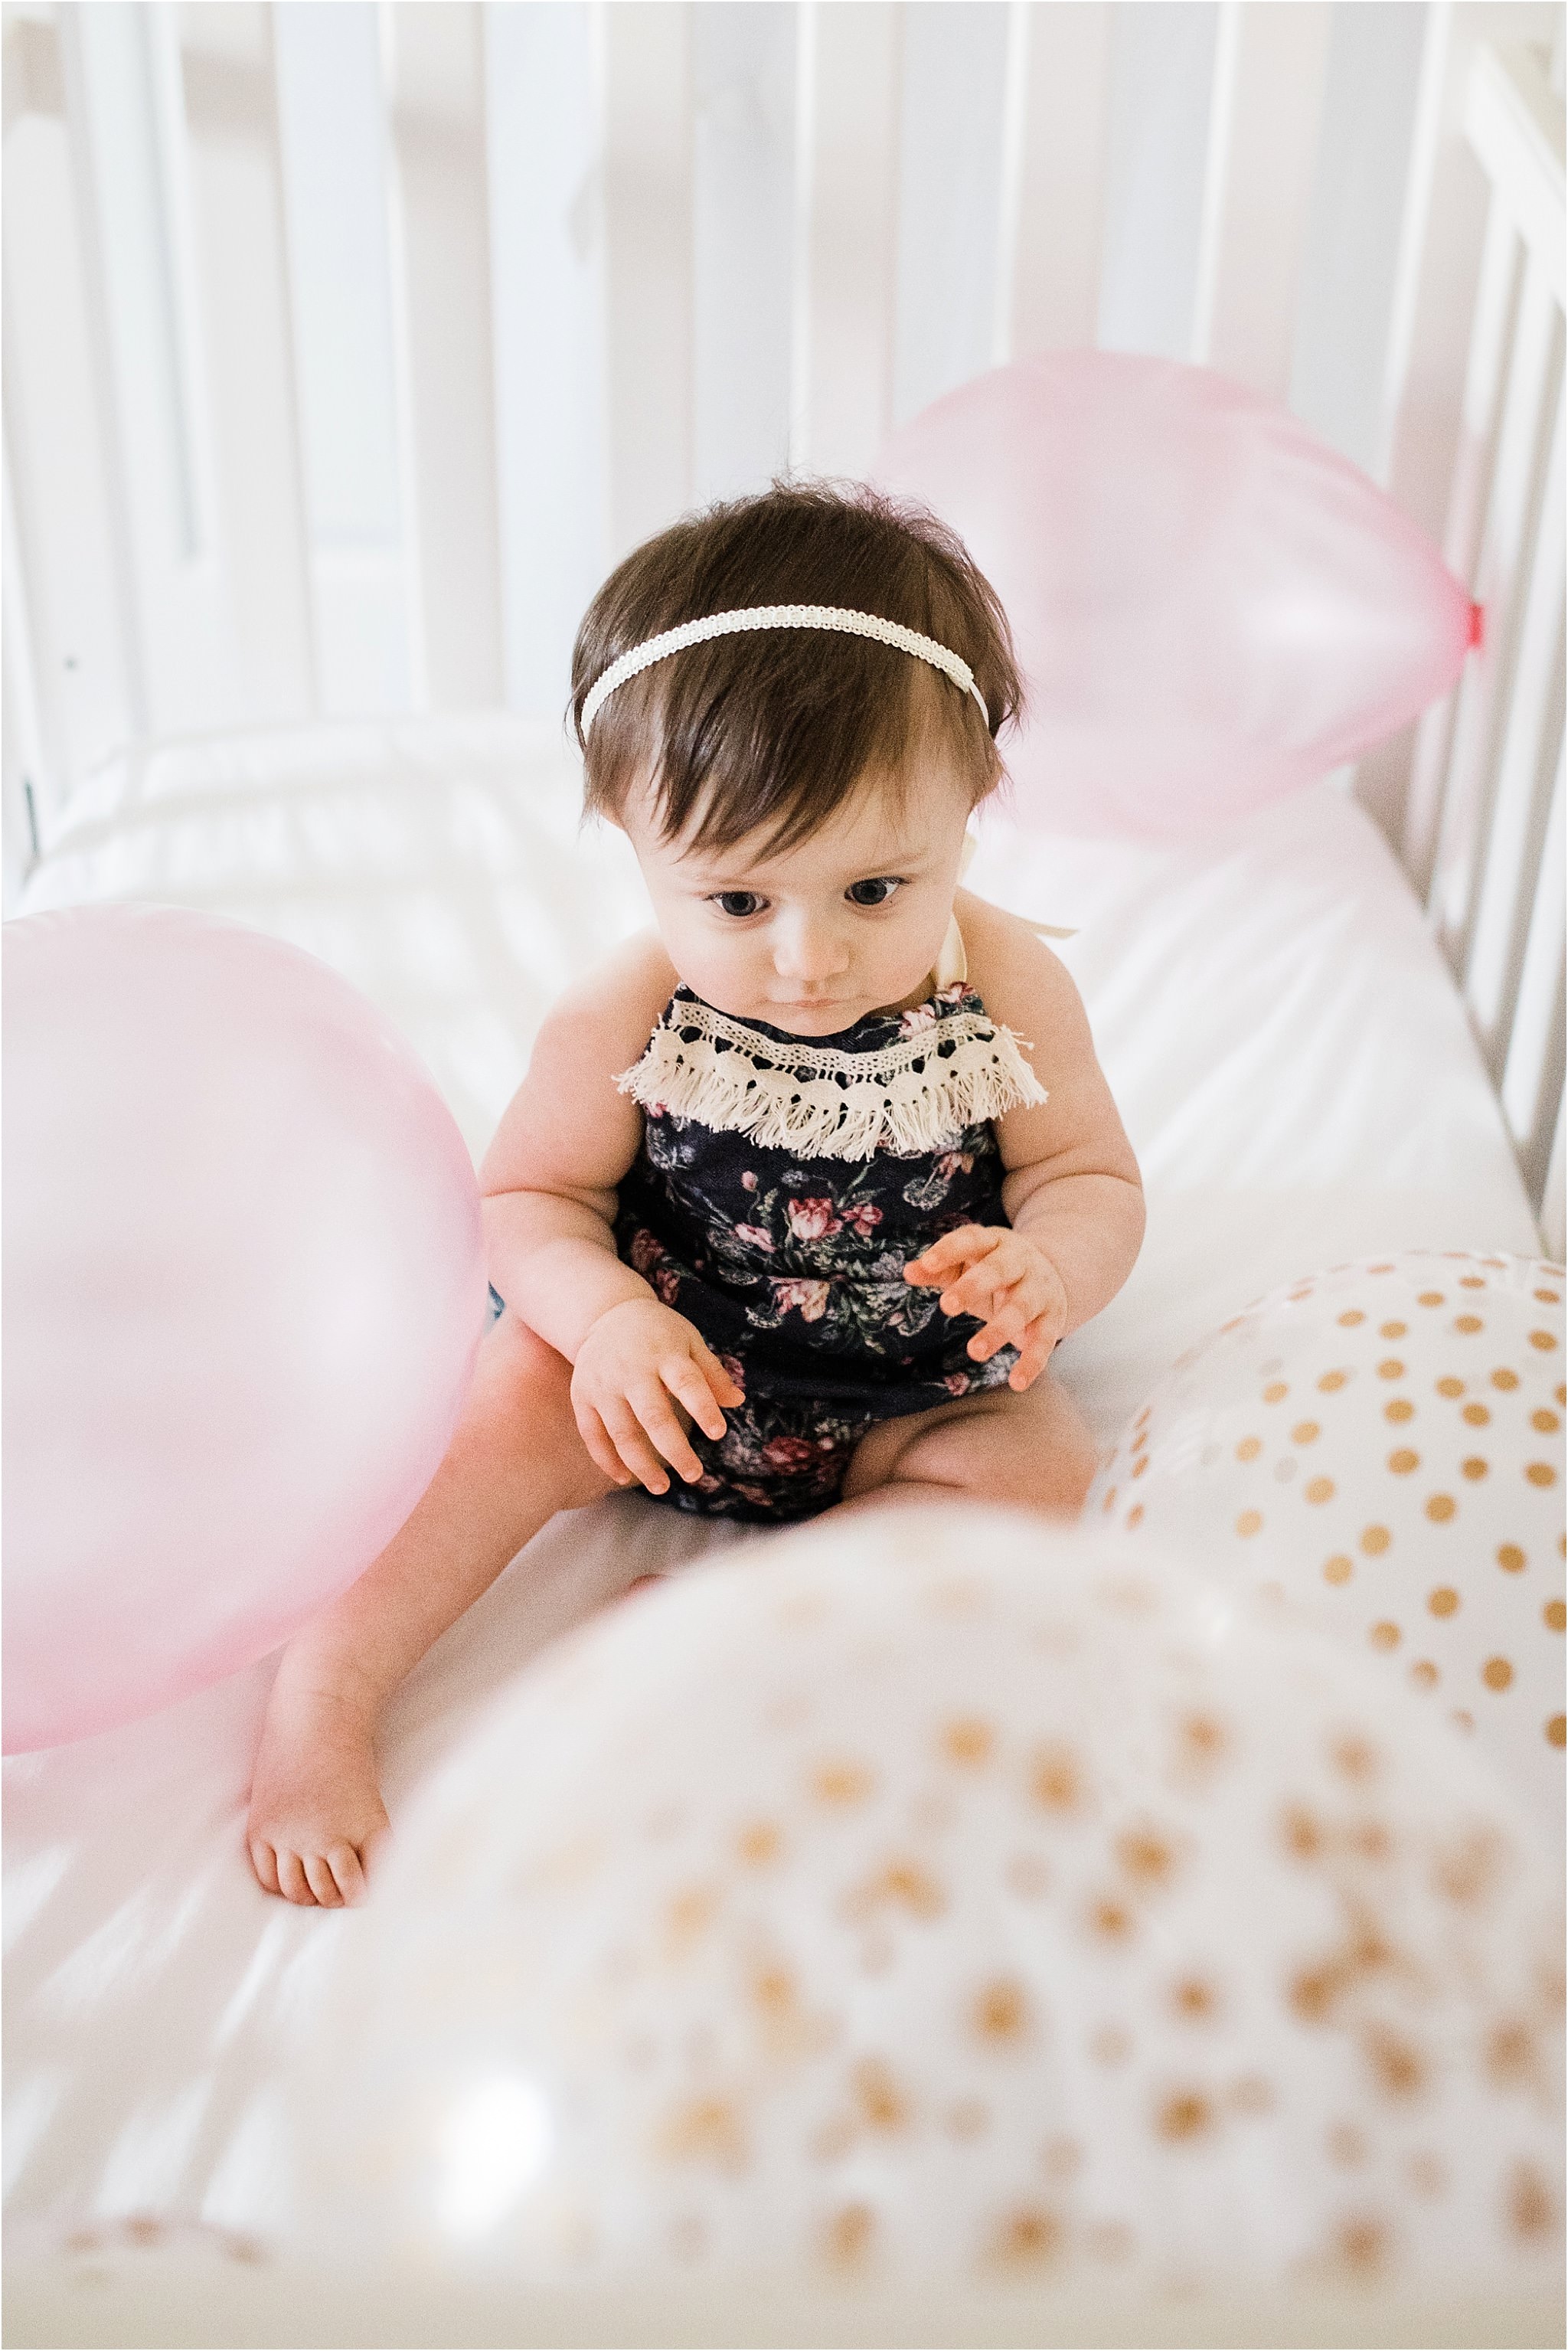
(782, 1185)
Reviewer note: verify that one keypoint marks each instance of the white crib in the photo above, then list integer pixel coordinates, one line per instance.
(348, 344)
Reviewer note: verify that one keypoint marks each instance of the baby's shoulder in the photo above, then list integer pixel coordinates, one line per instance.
(635, 977)
(623, 995)
(1010, 968)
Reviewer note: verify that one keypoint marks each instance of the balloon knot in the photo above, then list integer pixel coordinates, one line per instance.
(1477, 625)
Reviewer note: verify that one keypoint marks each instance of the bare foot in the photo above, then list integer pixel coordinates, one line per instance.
(316, 1810)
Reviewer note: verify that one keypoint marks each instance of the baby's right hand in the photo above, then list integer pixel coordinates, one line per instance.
(633, 1360)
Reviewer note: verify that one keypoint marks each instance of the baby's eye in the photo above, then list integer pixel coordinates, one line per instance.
(875, 893)
(738, 903)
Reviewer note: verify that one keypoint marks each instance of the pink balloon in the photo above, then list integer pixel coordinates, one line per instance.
(1210, 607)
(245, 1289)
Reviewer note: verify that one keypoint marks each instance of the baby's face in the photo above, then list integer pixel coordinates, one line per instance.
(812, 938)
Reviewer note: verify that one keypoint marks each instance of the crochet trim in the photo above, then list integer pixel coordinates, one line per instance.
(917, 1095)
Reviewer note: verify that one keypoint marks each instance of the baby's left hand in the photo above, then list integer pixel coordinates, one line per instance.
(1006, 1279)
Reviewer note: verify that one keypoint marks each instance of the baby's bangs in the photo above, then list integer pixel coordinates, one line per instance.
(775, 748)
(729, 744)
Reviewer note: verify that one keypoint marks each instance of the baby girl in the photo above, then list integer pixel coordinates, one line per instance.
(804, 1185)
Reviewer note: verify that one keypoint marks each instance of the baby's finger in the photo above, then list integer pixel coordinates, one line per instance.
(977, 1292)
(725, 1385)
(1038, 1347)
(631, 1445)
(1012, 1311)
(995, 1336)
(959, 1248)
(685, 1379)
(650, 1402)
(597, 1445)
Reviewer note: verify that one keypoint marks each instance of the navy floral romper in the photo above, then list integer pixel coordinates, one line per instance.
(782, 1185)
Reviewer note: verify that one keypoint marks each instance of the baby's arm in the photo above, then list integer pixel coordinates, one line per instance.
(1071, 1188)
(549, 1181)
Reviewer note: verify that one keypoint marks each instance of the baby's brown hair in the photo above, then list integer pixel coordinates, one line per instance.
(771, 730)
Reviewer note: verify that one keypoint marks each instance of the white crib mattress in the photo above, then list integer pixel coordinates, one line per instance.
(1295, 1071)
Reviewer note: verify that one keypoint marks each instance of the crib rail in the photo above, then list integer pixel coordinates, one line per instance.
(347, 345)
(1484, 818)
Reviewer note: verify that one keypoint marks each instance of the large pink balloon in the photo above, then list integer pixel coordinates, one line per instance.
(244, 1292)
(1211, 607)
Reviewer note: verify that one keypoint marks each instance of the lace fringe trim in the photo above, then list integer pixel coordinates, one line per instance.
(825, 1103)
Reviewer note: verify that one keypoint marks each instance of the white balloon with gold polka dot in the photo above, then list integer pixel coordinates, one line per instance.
(937, 1895)
(1383, 1444)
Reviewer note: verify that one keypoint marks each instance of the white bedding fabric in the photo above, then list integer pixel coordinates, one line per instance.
(1296, 1073)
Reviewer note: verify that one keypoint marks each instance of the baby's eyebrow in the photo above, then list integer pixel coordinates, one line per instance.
(718, 877)
(896, 859)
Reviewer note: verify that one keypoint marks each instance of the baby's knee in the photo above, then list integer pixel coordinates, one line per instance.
(1066, 1472)
(993, 1458)
(516, 1362)
(521, 1404)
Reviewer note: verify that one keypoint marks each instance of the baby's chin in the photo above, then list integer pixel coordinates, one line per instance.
(828, 1017)
(814, 1020)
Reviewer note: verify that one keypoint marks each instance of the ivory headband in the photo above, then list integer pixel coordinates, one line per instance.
(780, 616)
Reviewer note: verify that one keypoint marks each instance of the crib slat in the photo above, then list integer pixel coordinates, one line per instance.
(1553, 1212)
(1514, 126)
(441, 312)
(1532, 1076)
(125, 116)
(332, 137)
(1351, 255)
(1161, 102)
(1499, 585)
(404, 361)
(1431, 98)
(1246, 300)
(1439, 280)
(118, 548)
(1058, 228)
(25, 768)
(1012, 143)
(1485, 376)
(235, 167)
(847, 158)
(743, 73)
(542, 144)
(1517, 818)
(170, 197)
(1217, 160)
(648, 264)
(55, 458)
(949, 196)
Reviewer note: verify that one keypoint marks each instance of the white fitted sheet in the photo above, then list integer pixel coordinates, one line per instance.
(1294, 1068)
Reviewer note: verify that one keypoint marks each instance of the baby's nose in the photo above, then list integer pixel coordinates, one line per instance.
(810, 950)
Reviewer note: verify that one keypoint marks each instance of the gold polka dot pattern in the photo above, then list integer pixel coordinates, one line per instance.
(1424, 1489)
(792, 1916)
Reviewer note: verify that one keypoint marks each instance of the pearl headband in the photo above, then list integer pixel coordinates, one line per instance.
(780, 616)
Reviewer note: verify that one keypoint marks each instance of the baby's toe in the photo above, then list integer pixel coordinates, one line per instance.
(322, 1883)
(347, 1872)
(292, 1882)
(264, 1861)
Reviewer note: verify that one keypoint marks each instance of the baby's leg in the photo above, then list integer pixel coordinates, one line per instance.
(316, 1812)
(1034, 1452)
